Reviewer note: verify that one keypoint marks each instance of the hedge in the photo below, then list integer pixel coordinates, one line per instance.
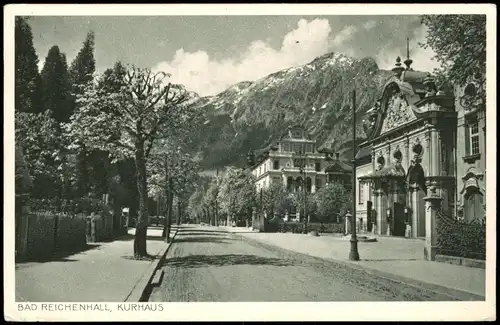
(462, 239)
(298, 227)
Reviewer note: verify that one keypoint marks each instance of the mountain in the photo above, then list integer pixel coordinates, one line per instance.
(318, 96)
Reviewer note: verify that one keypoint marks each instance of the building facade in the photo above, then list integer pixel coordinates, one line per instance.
(421, 142)
(295, 160)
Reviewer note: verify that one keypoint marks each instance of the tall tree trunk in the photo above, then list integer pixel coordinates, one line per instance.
(141, 229)
(179, 211)
(164, 233)
(170, 202)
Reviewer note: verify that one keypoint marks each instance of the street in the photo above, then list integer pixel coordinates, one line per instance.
(210, 264)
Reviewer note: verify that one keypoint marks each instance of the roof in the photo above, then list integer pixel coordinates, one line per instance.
(364, 152)
(394, 171)
(338, 165)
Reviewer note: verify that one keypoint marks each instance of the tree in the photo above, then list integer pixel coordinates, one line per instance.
(332, 200)
(56, 86)
(460, 45)
(236, 195)
(174, 173)
(127, 123)
(210, 199)
(274, 199)
(28, 84)
(82, 68)
(300, 199)
(88, 163)
(43, 148)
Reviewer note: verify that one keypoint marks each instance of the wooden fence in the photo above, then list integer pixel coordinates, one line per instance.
(41, 234)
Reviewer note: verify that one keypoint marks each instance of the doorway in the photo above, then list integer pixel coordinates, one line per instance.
(399, 219)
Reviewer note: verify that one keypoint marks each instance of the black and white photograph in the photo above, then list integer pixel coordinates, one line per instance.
(290, 158)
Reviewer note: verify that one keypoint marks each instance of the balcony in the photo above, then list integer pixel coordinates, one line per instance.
(308, 170)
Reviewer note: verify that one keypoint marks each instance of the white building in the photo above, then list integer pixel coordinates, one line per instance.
(292, 159)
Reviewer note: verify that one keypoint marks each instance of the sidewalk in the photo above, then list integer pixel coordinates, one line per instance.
(104, 272)
(400, 259)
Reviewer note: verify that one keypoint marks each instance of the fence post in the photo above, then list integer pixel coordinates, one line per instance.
(23, 232)
(93, 233)
(432, 207)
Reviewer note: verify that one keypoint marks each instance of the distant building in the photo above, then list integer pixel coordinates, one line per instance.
(295, 158)
(421, 142)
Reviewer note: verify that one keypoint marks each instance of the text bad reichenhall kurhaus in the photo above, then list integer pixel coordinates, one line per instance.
(62, 307)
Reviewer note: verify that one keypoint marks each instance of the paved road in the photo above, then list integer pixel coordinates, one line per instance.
(209, 264)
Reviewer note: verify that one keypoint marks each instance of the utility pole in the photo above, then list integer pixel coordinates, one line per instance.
(353, 254)
(216, 205)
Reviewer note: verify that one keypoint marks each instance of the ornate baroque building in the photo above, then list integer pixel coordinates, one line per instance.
(422, 143)
(295, 158)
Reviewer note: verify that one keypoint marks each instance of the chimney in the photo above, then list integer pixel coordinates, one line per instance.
(337, 155)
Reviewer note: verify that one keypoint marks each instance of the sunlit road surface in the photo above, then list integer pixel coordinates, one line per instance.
(208, 264)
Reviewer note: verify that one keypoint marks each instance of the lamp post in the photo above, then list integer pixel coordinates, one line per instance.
(302, 171)
(304, 190)
(216, 204)
(353, 254)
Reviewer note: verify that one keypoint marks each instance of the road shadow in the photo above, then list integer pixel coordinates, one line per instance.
(194, 261)
(182, 230)
(130, 237)
(202, 234)
(206, 239)
(59, 256)
(149, 258)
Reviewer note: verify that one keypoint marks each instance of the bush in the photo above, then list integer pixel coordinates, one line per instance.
(273, 225)
(298, 227)
(327, 228)
(293, 227)
(461, 239)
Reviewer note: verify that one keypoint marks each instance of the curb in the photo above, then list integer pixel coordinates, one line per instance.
(140, 291)
(443, 290)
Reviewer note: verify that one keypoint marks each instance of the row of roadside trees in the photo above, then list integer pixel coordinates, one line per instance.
(119, 133)
(231, 196)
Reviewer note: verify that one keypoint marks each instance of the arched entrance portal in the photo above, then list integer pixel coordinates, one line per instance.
(417, 192)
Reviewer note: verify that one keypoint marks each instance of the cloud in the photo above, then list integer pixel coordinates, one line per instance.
(422, 58)
(369, 24)
(344, 35)
(207, 76)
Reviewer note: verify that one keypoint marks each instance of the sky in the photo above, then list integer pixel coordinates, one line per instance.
(210, 53)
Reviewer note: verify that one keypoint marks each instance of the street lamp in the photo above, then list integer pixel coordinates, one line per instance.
(353, 254)
(302, 171)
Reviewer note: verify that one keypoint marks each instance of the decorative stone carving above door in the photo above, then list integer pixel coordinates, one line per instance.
(398, 111)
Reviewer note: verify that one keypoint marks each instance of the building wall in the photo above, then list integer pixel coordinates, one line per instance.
(468, 164)
(365, 195)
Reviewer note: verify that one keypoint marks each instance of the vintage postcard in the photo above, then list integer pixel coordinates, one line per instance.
(226, 162)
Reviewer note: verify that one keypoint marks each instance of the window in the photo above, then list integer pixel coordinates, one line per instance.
(308, 147)
(297, 134)
(317, 166)
(361, 194)
(276, 164)
(474, 137)
(265, 168)
(297, 147)
(285, 147)
(318, 183)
